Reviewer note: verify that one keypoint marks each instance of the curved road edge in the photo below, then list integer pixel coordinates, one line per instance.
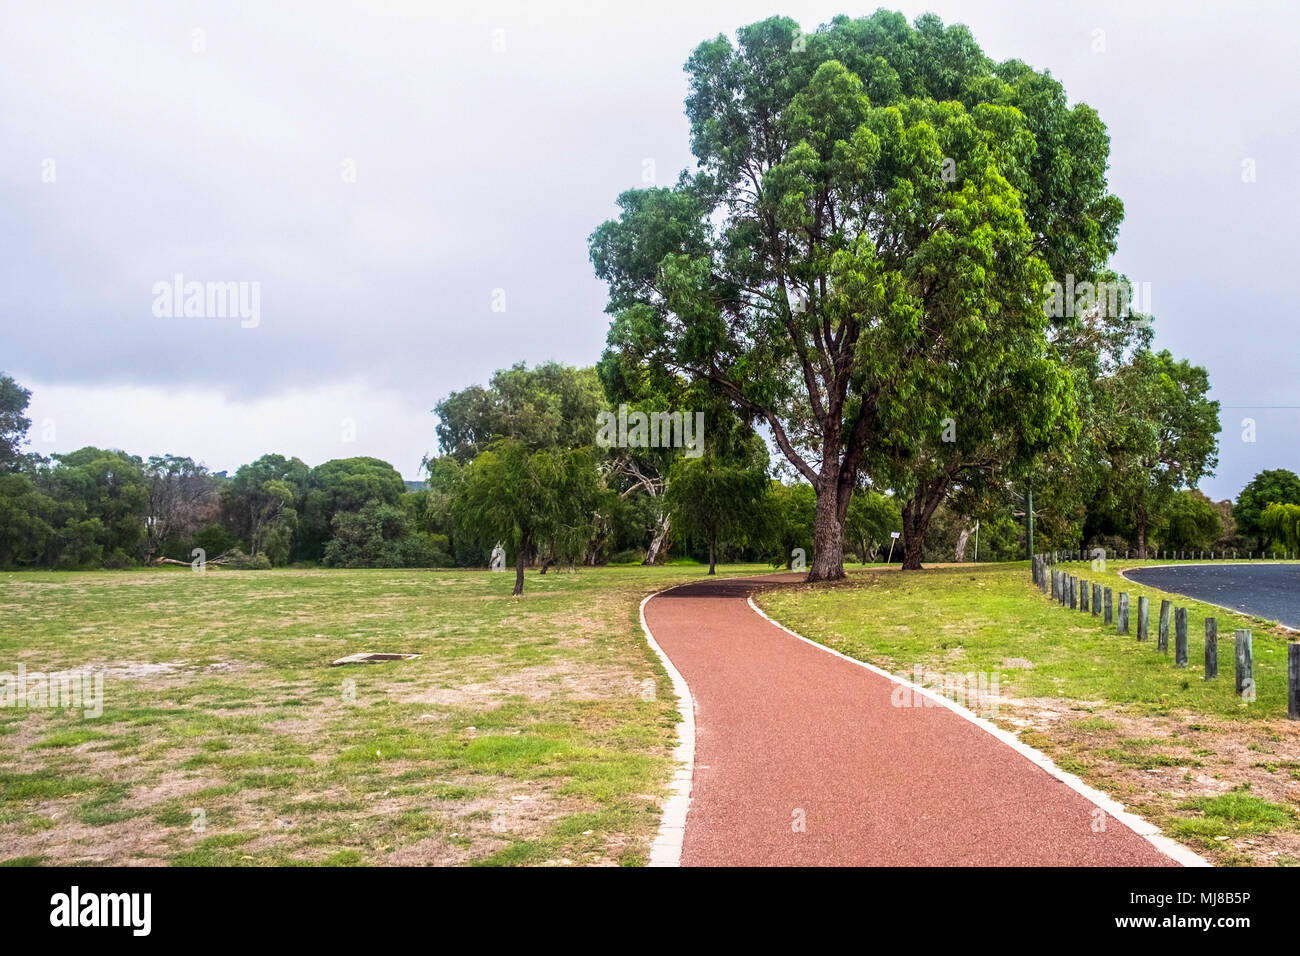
(1143, 828)
(1222, 607)
(666, 850)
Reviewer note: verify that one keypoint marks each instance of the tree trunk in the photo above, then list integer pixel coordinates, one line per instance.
(652, 555)
(520, 559)
(912, 549)
(916, 518)
(712, 550)
(960, 553)
(828, 533)
(1142, 533)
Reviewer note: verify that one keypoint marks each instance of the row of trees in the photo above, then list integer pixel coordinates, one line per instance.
(98, 507)
(521, 468)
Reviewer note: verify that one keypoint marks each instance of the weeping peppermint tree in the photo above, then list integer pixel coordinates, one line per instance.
(865, 195)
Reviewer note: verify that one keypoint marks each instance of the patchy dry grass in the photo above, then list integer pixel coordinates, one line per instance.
(530, 730)
(1218, 774)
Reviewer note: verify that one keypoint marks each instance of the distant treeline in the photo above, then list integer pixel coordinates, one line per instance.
(521, 466)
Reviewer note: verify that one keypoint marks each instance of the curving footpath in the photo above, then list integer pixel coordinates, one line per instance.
(787, 732)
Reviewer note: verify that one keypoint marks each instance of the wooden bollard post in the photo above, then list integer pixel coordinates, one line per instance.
(1245, 666)
(1109, 605)
(1144, 616)
(1293, 681)
(1180, 637)
(1122, 624)
(1162, 639)
(1211, 648)
(1096, 599)
(1074, 591)
(1083, 595)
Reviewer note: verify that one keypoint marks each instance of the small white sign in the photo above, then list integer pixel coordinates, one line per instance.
(895, 534)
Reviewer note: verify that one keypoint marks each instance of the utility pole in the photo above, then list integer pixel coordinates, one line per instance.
(1029, 515)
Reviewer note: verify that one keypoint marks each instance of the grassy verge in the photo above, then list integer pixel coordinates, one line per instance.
(1217, 773)
(530, 730)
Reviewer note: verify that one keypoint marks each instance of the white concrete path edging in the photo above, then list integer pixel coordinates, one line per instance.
(667, 847)
(1170, 848)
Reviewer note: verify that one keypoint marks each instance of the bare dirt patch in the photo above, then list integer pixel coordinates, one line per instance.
(1154, 764)
(542, 682)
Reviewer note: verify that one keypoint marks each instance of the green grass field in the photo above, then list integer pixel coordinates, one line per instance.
(530, 730)
(1182, 751)
(538, 730)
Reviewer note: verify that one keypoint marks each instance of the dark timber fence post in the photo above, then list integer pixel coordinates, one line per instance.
(1144, 616)
(1096, 599)
(1162, 640)
(1122, 623)
(1293, 681)
(1083, 595)
(1180, 637)
(1109, 603)
(1245, 668)
(1211, 648)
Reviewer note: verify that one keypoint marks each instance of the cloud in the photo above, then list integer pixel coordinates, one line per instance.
(478, 168)
(340, 420)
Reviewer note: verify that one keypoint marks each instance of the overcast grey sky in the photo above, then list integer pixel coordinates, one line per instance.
(485, 142)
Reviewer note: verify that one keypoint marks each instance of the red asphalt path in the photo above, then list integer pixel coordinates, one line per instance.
(783, 726)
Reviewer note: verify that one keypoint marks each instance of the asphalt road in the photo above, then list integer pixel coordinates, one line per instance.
(804, 758)
(1270, 591)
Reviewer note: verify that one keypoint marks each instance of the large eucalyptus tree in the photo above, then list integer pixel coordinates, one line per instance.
(876, 212)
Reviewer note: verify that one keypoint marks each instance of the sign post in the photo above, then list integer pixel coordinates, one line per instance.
(893, 536)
